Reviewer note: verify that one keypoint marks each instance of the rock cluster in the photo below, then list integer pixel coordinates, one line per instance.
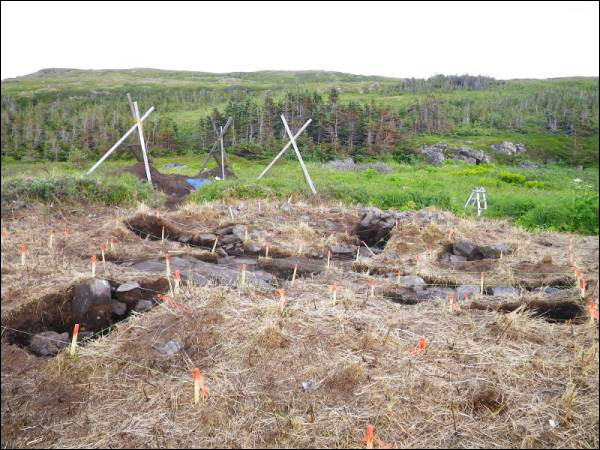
(463, 250)
(508, 148)
(375, 226)
(348, 164)
(436, 154)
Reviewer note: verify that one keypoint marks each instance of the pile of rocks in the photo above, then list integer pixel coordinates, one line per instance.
(231, 240)
(463, 250)
(95, 305)
(348, 164)
(375, 226)
(436, 154)
(508, 148)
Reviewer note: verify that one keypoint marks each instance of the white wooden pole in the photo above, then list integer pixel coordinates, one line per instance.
(306, 175)
(214, 147)
(142, 142)
(222, 155)
(119, 142)
(280, 154)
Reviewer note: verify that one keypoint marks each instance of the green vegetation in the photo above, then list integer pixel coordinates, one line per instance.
(70, 115)
(553, 197)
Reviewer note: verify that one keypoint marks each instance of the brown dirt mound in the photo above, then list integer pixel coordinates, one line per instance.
(173, 185)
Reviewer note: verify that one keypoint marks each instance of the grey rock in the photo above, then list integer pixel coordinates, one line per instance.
(118, 308)
(433, 155)
(143, 306)
(467, 290)
(413, 281)
(343, 250)
(204, 239)
(229, 239)
(494, 251)
(174, 166)
(549, 290)
(504, 291)
(465, 249)
(286, 206)
(240, 231)
(435, 293)
(508, 148)
(91, 304)
(48, 343)
(170, 348)
(529, 165)
(129, 293)
(252, 247)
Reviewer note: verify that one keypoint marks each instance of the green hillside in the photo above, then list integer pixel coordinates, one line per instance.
(68, 114)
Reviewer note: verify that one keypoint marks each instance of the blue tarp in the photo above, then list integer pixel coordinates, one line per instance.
(198, 182)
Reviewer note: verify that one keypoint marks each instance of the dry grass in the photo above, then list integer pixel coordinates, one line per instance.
(486, 379)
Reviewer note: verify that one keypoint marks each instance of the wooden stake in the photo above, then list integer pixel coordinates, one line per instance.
(281, 300)
(23, 249)
(398, 278)
(267, 251)
(300, 248)
(243, 275)
(199, 388)
(102, 249)
(357, 253)
(372, 285)
(328, 259)
(482, 278)
(93, 259)
(162, 237)
(582, 287)
(215, 245)
(74, 340)
(334, 292)
(112, 245)
(294, 274)
(168, 265)
(51, 240)
(368, 248)
(177, 279)
(299, 156)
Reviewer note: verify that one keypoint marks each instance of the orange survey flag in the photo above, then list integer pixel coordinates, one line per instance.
(369, 436)
(420, 347)
(592, 310)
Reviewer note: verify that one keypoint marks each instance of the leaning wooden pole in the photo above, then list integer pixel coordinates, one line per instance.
(142, 142)
(304, 169)
(281, 153)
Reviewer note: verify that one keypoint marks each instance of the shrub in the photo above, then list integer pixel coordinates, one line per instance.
(535, 184)
(511, 177)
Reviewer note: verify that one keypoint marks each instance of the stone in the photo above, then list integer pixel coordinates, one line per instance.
(467, 290)
(435, 293)
(240, 231)
(530, 165)
(91, 304)
(413, 281)
(494, 251)
(465, 249)
(505, 291)
(508, 148)
(548, 290)
(170, 348)
(204, 239)
(48, 343)
(229, 239)
(143, 306)
(342, 250)
(252, 247)
(118, 308)
(128, 293)
(433, 155)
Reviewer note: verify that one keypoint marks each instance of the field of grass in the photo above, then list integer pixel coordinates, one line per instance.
(553, 198)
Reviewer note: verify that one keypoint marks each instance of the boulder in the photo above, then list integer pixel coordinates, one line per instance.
(375, 227)
(240, 231)
(435, 293)
(204, 239)
(530, 165)
(494, 251)
(342, 250)
(129, 293)
(465, 249)
(433, 155)
(252, 247)
(169, 348)
(143, 306)
(504, 291)
(413, 281)
(508, 148)
(91, 304)
(118, 308)
(48, 343)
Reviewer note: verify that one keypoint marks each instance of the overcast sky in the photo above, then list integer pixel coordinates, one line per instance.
(503, 40)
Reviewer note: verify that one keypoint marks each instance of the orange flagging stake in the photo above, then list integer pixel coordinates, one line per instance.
(582, 287)
(420, 347)
(74, 339)
(243, 280)
(177, 279)
(93, 260)
(593, 310)
(281, 299)
(200, 390)
(334, 292)
(372, 286)
(369, 439)
(452, 304)
(3, 235)
(168, 265)
(102, 251)
(23, 249)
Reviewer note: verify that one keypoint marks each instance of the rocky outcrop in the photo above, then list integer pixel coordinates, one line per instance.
(375, 227)
(474, 252)
(436, 154)
(91, 305)
(48, 343)
(508, 148)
